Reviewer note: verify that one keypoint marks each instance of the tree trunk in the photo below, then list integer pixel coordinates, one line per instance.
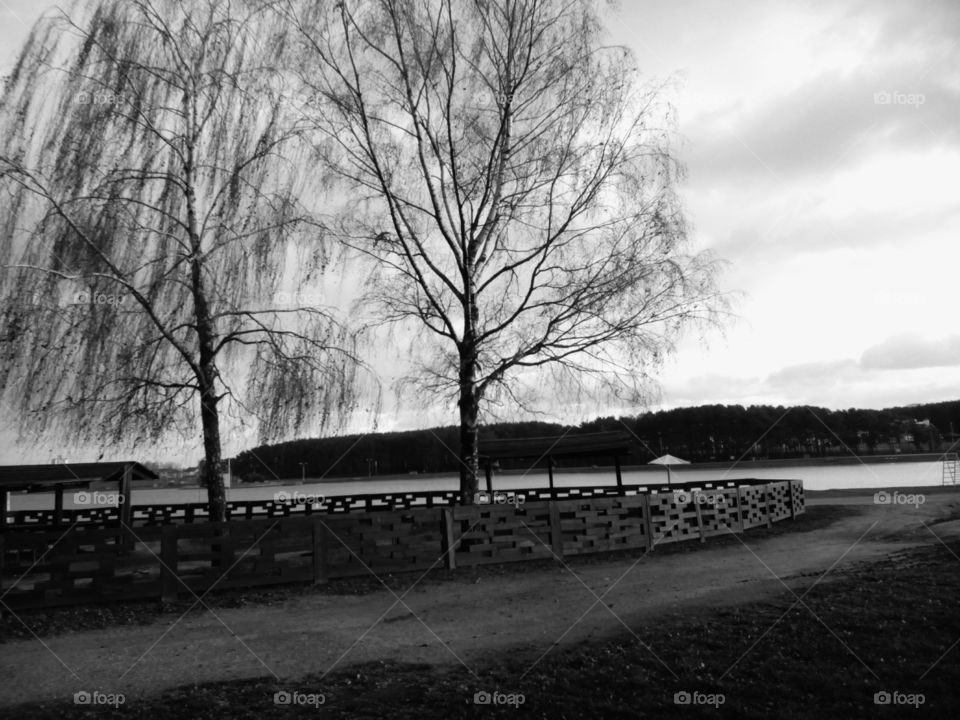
(207, 371)
(469, 413)
(469, 447)
(209, 413)
(212, 478)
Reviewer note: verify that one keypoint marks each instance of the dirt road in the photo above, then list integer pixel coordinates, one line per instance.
(458, 622)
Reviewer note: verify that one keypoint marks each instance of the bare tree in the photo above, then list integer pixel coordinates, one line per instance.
(153, 210)
(515, 184)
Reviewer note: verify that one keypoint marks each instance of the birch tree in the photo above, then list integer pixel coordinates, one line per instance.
(157, 251)
(515, 183)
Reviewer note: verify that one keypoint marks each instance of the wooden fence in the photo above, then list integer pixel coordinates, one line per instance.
(165, 514)
(95, 564)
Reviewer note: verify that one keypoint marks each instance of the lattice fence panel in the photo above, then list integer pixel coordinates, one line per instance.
(799, 502)
(673, 517)
(384, 541)
(502, 533)
(778, 499)
(753, 510)
(719, 512)
(599, 524)
(82, 565)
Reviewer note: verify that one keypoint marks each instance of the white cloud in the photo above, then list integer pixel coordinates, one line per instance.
(909, 351)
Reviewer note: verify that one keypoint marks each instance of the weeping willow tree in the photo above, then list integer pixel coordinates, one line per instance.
(515, 183)
(157, 248)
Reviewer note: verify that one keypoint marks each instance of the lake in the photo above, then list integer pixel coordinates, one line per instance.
(815, 477)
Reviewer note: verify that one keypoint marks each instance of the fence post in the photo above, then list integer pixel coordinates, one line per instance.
(448, 531)
(696, 505)
(318, 538)
(168, 563)
(125, 507)
(740, 507)
(556, 537)
(647, 524)
(58, 506)
(766, 504)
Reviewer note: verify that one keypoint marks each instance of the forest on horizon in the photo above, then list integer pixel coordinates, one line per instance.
(699, 434)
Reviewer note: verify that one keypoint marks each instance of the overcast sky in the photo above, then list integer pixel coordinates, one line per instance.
(823, 149)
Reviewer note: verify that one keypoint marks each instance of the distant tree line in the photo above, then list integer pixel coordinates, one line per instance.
(700, 434)
(724, 432)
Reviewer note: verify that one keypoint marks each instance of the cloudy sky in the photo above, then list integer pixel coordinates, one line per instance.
(823, 149)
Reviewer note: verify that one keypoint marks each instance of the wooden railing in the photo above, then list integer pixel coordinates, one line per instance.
(168, 513)
(91, 564)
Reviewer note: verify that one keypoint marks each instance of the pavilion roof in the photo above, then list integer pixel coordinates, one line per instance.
(44, 478)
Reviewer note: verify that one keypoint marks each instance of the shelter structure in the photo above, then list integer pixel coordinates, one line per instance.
(613, 444)
(61, 477)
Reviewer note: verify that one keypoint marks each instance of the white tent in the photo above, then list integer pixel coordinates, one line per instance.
(667, 461)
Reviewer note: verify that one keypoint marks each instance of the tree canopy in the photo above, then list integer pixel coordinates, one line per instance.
(156, 198)
(515, 185)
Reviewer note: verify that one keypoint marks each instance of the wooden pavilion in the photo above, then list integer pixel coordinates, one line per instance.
(615, 444)
(61, 477)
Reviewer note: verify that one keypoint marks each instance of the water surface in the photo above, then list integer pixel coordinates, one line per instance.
(815, 477)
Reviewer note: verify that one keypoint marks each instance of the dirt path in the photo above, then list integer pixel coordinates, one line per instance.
(457, 622)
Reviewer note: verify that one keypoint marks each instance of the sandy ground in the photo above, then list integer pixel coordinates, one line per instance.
(459, 622)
